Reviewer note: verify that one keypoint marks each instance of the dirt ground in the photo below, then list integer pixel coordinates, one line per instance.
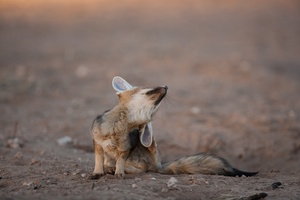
(233, 72)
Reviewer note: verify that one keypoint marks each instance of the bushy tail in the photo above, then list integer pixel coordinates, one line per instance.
(237, 172)
(202, 164)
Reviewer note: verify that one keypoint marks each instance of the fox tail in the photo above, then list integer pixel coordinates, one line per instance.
(202, 164)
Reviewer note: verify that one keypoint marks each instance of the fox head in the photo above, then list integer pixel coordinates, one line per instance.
(142, 104)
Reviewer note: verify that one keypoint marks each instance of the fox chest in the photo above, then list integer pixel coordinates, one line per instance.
(114, 146)
(109, 145)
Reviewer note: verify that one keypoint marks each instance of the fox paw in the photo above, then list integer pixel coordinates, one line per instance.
(120, 175)
(95, 176)
(110, 170)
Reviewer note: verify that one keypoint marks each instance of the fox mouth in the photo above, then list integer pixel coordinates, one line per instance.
(160, 91)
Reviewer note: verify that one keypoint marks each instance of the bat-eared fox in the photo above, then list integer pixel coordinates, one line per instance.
(124, 142)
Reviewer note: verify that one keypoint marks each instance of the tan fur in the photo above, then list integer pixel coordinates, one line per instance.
(118, 148)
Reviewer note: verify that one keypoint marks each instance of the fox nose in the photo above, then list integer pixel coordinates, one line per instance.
(162, 90)
(165, 88)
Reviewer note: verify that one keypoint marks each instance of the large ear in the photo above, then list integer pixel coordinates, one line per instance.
(146, 135)
(120, 85)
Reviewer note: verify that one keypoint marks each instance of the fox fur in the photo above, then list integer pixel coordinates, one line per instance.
(124, 143)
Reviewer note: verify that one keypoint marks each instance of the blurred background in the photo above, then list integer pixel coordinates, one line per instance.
(232, 68)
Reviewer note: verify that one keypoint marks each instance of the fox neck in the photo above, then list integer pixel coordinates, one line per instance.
(123, 120)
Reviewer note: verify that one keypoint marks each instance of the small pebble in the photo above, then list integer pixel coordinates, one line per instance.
(195, 110)
(172, 182)
(27, 183)
(64, 140)
(164, 190)
(33, 161)
(14, 143)
(76, 172)
(35, 187)
(18, 155)
(81, 71)
(134, 186)
(276, 185)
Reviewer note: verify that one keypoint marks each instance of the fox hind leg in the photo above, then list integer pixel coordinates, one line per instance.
(155, 154)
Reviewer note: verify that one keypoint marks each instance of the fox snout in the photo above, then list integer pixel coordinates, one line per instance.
(156, 90)
(160, 91)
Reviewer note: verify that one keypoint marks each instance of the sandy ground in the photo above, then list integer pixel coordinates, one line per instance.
(233, 72)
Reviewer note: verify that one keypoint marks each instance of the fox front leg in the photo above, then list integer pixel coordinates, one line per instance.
(99, 161)
(120, 164)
